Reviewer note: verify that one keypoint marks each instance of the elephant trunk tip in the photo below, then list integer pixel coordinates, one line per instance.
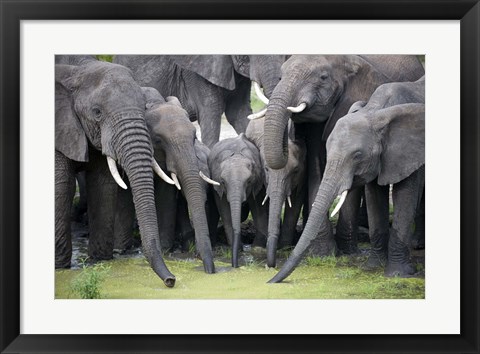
(169, 282)
(235, 260)
(276, 279)
(209, 266)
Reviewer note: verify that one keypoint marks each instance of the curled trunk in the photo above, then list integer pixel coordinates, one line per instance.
(132, 145)
(317, 220)
(276, 122)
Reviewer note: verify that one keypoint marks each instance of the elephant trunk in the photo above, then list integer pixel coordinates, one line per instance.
(270, 79)
(194, 190)
(274, 224)
(236, 211)
(276, 123)
(131, 143)
(317, 220)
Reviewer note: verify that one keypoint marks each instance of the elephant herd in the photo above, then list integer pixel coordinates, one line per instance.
(333, 125)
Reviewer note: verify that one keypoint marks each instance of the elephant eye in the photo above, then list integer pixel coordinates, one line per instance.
(324, 76)
(97, 113)
(357, 155)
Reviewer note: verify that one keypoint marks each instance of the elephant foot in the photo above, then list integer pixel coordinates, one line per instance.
(347, 242)
(402, 270)
(350, 249)
(209, 266)
(375, 261)
(322, 248)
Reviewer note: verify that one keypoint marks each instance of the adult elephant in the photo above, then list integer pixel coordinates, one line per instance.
(182, 156)
(285, 188)
(235, 163)
(99, 122)
(319, 90)
(208, 85)
(377, 144)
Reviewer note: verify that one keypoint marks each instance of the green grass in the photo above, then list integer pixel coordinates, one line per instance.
(105, 57)
(328, 278)
(87, 283)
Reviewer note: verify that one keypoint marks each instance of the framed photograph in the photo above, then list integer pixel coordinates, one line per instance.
(410, 68)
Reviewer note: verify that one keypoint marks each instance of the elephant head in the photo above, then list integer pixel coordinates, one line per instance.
(321, 88)
(386, 144)
(235, 164)
(99, 106)
(175, 142)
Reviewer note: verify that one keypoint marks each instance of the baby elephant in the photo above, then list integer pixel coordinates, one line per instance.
(235, 164)
(377, 144)
(285, 188)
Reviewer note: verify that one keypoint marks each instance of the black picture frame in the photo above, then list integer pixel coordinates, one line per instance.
(12, 12)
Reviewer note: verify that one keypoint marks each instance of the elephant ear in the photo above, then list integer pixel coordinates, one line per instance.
(402, 129)
(152, 97)
(257, 164)
(241, 63)
(217, 69)
(70, 138)
(215, 158)
(357, 106)
(361, 80)
(202, 152)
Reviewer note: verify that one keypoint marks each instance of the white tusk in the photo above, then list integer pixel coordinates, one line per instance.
(297, 109)
(259, 92)
(158, 170)
(208, 180)
(289, 201)
(265, 199)
(340, 202)
(175, 180)
(258, 115)
(112, 165)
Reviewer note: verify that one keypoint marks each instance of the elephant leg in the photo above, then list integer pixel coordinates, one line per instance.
(419, 235)
(260, 219)
(124, 218)
(210, 112)
(347, 225)
(238, 104)
(81, 208)
(64, 193)
(101, 199)
(377, 200)
(224, 210)
(166, 205)
(288, 233)
(184, 227)
(406, 195)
